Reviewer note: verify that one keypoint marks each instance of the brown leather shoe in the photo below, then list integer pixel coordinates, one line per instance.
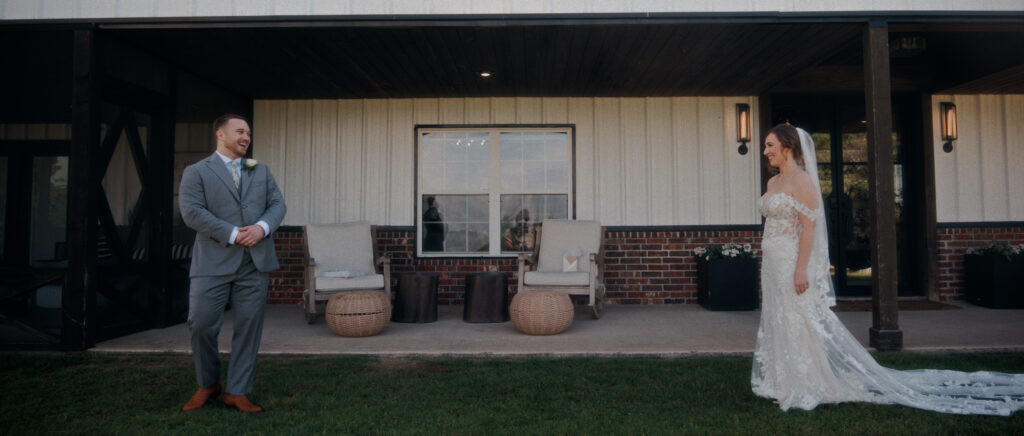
(241, 403)
(201, 396)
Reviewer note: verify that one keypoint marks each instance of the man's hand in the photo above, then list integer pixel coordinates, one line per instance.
(249, 235)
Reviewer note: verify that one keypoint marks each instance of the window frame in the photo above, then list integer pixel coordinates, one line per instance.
(494, 193)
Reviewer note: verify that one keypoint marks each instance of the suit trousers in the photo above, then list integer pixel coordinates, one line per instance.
(247, 291)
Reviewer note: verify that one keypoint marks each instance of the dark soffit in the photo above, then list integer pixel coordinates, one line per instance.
(557, 60)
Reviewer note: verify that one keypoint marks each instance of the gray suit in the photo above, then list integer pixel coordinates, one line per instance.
(212, 206)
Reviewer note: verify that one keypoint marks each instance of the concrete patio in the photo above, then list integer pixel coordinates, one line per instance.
(649, 331)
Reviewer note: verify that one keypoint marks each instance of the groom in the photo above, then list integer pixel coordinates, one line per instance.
(234, 205)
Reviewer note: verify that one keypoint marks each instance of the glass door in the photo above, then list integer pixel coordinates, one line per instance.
(33, 240)
(840, 135)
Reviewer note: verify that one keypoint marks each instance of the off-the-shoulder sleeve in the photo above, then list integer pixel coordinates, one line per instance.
(812, 215)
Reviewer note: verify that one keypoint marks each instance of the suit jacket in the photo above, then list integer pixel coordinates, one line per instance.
(212, 206)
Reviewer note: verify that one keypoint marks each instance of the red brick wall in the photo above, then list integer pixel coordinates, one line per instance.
(659, 267)
(644, 267)
(286, 283)
(954, 242)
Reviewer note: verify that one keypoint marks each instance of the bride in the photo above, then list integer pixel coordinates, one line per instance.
(804, 355)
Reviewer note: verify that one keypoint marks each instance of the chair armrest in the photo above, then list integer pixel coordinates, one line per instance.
(310, 274)
(524, 259)
(385, 261)
(528, 258)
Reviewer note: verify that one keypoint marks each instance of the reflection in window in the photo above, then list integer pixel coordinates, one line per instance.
(455, 224)
(521, 214)
(454, 161)
(482, 190)
(534, 160)
(49, 208)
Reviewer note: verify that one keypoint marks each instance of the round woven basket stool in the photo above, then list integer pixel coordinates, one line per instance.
(358, 313)
(541, 312)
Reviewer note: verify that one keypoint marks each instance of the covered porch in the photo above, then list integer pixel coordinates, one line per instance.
(167, 78)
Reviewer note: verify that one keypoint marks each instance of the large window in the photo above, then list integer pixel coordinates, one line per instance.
(483, 191)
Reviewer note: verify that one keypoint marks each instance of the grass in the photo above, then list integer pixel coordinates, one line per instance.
(86, 393)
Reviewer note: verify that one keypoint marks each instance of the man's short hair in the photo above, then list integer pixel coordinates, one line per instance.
(223, 119)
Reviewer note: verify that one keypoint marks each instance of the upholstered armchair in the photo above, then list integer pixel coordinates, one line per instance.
(550, 266)
(339, 258)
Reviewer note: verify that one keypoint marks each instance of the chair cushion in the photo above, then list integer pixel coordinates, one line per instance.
(540, 278)
(373, 281)
(341, 247)
(558, 236)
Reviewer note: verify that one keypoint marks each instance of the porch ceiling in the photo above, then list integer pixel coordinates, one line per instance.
(402, 60)
(583, 59)
(536, 60)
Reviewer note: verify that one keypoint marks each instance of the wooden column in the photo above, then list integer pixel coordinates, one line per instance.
(78, 321)
(161, 170)
(930, 272)
(885, 333)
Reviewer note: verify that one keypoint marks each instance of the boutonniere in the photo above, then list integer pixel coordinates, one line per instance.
(250, 164)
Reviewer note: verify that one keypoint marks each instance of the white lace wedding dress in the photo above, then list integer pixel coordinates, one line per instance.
(805, 356)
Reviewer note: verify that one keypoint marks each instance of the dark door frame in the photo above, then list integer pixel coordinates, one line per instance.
(87, 207)
(915, 161)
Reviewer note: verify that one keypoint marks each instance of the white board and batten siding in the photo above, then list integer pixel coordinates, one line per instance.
(82, 9)
(983, 178)
(638, 161)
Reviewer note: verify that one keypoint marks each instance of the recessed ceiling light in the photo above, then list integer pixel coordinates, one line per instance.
(485, 74)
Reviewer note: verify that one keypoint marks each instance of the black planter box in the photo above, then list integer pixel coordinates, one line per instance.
(727, 284)
(993, 281)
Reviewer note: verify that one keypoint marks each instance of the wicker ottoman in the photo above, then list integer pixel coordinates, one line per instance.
(358, 313)
(542, 312)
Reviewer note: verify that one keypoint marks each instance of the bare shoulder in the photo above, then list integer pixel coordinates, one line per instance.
(804, 190)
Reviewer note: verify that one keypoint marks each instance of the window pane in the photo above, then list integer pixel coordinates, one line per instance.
(431, 176)
(455, 161)
(556, 206)
(533, 175)
(49, 208)
(478, 237)
(557, 176)
(455, 224)
(433, 147)
(455, 239)
(477, 208)
(534, 160)
(512, 174)
(454, 175)
(520, 214)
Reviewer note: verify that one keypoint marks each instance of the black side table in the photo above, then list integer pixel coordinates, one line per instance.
(416, 299)
(486, 297)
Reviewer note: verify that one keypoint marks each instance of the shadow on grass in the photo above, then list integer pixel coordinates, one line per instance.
(141, 394)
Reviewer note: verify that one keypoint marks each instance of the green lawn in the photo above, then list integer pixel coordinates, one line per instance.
(141, 394)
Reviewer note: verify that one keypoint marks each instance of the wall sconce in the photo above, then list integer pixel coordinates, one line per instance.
(947, 117)
(742, 126)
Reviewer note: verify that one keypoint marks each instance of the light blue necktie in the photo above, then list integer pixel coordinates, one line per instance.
(235, 174)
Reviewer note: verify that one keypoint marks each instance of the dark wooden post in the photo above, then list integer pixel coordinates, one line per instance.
(885, 333)
(930, 272)
(78, 323)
